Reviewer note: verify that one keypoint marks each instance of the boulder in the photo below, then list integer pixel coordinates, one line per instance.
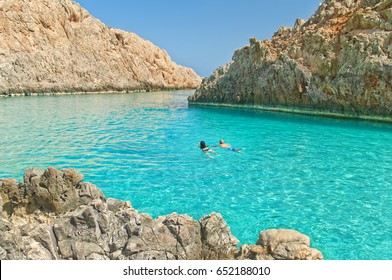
(287, 244)
(218, 242)
(11, 195)
(186, 232)
(57, 191)
(53, 190)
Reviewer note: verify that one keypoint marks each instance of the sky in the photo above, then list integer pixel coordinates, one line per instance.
(201, 34)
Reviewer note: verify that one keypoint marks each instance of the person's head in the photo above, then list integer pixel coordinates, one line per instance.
(202, 145)
(221, 142)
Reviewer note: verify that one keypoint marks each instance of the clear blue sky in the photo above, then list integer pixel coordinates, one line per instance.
(201, 34)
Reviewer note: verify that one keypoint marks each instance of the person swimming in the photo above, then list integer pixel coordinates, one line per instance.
(205, 148)
(223, 145)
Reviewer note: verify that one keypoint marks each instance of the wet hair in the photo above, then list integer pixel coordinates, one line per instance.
(221, 142)
(203, 145)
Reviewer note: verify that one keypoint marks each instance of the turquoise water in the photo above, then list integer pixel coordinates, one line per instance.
(330, 179)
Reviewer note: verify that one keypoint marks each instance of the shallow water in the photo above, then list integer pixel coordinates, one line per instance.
(330, 179)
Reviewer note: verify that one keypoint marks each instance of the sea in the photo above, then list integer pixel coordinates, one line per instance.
(328, 178)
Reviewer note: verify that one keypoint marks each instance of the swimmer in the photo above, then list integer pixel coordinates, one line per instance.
(223, 145)
(205, 148)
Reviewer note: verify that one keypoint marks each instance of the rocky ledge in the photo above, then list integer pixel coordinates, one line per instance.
(337, 62)
(56, 46)
(54, 215)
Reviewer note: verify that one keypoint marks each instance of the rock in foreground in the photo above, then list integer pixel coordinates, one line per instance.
(337, 62)
(56, 46)
(53, 215)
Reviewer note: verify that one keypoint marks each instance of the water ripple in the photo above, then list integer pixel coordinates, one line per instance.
(330, 179)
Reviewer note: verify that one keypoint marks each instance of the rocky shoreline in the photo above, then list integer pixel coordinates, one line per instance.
(91, 92)
(297, 111)
(54, 215)
(338, 62)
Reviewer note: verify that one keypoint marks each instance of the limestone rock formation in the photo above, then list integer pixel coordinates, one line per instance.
(54, 46)
(53, 215)
(338, 61)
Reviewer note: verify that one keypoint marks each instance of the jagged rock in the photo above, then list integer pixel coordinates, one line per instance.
(298, 24)
(116, 205)
(10, 240)
(51, 46)
(31, 175)
(187, 233)
(84, 233)
(88, 192)
(339, 61)
(3, 253)
(41, 223)
(218, 242)
(253, 252)
(42, 236)
(169, 237)
(54, 190)
(39, 242)
(10, 195)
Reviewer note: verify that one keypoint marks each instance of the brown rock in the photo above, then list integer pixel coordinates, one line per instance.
(88, 192)
(72, 176)
(53, 192)
(287, 245)
(218, 242)
(10, 194)
(186, 231)
(56, 46)
(253, 252)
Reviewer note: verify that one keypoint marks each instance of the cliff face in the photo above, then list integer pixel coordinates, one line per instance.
(338, 61)
(53, 214)
(57, 46)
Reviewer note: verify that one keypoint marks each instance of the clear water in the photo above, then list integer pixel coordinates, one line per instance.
(330, 179)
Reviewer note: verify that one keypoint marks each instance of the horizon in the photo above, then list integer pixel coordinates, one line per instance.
(205, 44)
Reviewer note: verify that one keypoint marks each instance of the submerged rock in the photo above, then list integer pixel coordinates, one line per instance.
(339, 61)
(51, 46)
(53, 215)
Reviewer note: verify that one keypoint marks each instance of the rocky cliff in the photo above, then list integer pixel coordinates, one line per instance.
(49, 46)
(55, 215)
(338, 61)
